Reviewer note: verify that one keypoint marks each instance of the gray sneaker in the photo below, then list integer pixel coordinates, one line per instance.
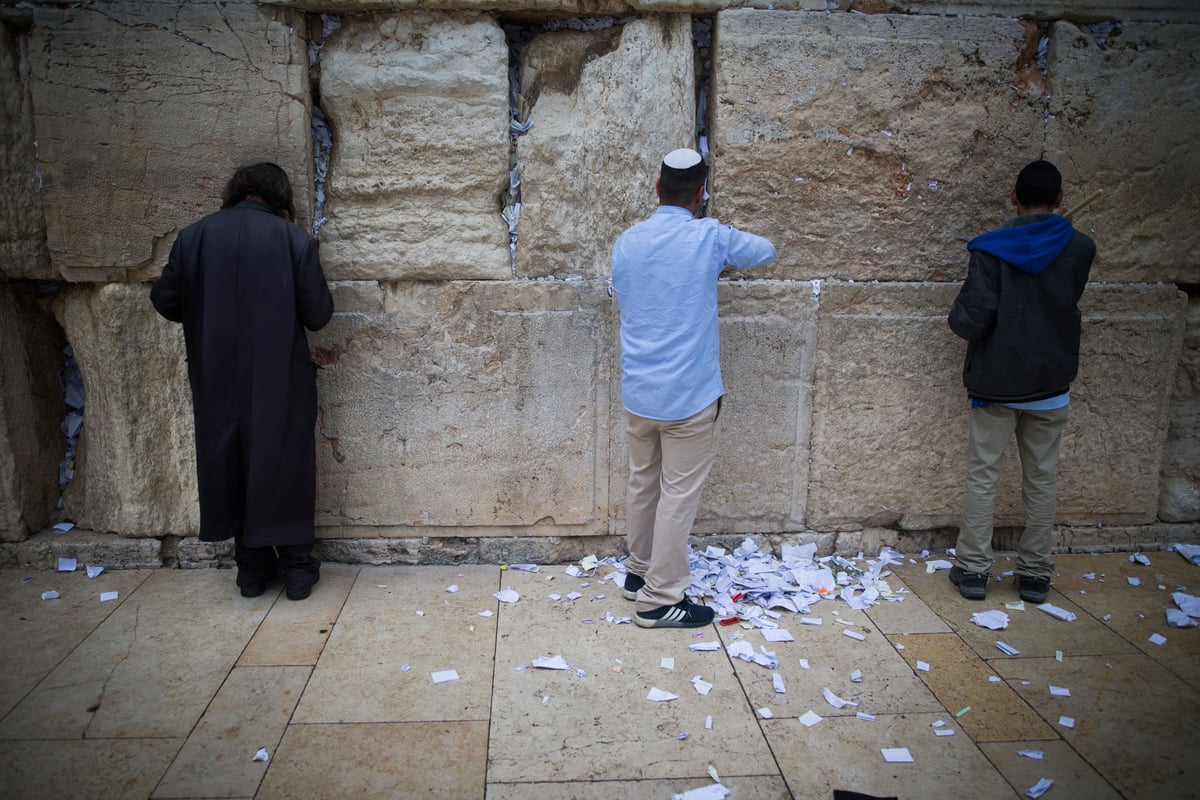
(971, 585)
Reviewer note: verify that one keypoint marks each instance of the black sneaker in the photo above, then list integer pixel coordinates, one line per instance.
(971, 585)
(681, 615)
(301, 591)
(632, 584)
(1033, 590)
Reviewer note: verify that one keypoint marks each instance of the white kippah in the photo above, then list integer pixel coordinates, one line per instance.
(683, 158)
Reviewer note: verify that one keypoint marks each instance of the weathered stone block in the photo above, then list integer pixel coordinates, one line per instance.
(43, 550)
(420, 550)
(606, 106)
(870, 146)
(555, 9)
(142, 111)
(759, 480)
(136, 465)
(31, 409)
(890, 413)
(1124, 119)
(465, 404)
(1103, 10)
(418, 102)
(1179, 495)
(23, 252)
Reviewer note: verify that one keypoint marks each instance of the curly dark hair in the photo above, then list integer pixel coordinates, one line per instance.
(267, 181)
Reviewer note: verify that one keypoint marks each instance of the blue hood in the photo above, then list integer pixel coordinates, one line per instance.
(1030, 247)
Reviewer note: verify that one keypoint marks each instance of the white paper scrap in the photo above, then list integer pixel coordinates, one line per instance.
(1008, 649)
(712, 792)
(777, 681)
(507, 595)
(1187, 603)
(573, 571)
(555, 597)
(865, 717)
(50, 595)
(657, 695)
(934, 566)
(811, 621)
(810, 718)
(766, 713)
(63, 527)
(1060, 691)
(944, 732)
(551, 662)
(667, 662)
(897, 755)
(1158, 639)
(836, 701)
(1039, 788)
(1056, 612)
(777, 635)
(856, 676)
(93, 571)
(1016, 605)
(261, 755)
(1067, 722)
(704, 646)
(574, 595)
(1034, 754)
(923, 666)
(589, 563)
(992, 620)
(708, 723)
(445, 676)
(488, 613)
(107, 596)
(1178, 619)
(66, 564)
(994, 679)
(703, 687)
(1134, 581)
(1140, 558)
(804, 663)
(854, 635)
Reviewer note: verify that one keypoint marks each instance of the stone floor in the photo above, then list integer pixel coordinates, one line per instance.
(170, 690)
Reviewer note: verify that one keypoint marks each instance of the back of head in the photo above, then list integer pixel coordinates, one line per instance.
(266, 181)
(683, 173)
(1038, 185)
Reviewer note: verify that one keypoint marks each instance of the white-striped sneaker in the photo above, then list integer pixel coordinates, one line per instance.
(632, 584)
(681, 615)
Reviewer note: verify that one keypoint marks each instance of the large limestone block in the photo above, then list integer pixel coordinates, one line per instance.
(606, 106)
(1124, 119)
(1151, 10)
(142, 112)
(23, 251)
(1179, 497)
(418, 103)
(556, 9)
(870, 146)
(31, 408)
(890, 412)
(759, 481)
(136, 465)
(464, 409)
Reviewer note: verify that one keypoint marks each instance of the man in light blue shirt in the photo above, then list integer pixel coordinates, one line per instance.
(665, 270)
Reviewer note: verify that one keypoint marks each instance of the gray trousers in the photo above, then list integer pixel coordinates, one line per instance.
(1039, 435)
(668, 464)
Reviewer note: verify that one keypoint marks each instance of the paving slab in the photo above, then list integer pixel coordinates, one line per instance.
(1134, 721)
(910, 615)
(398, 617)
(151, 668)
(385, 761)
(251, 711)
(960, 679)
(1072, 775)
(846, 753)
(49, 629)
(888, 684)
(295, 633)
(753, 787)
(125, 768)
(558, 725)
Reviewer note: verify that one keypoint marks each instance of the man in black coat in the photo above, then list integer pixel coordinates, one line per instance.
(245, 282)
(1018, 309)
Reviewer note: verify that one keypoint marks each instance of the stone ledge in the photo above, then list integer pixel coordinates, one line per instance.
(43, 549)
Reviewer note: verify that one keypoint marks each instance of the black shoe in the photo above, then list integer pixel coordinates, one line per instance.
(303, 590)
(254, 589)
(1033, 590)
(681, 615)
(971, 585)
(632, 584)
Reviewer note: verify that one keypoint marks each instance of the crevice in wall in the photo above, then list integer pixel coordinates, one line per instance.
(322, 132)
(702, 41)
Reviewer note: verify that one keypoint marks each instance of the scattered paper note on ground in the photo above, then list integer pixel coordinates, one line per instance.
(657, 695)
(107, 596)
(1039, 788)
(897, 755)
(445, 676)
(713, 792)
(810, 718)
(507, 595)
(262, 755)
(834, 700)
(66, 564)
(1008, 649)
(1059, 613)
(551, 662)
(993, 620)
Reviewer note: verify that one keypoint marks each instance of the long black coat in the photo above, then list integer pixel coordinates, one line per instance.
(245, 283)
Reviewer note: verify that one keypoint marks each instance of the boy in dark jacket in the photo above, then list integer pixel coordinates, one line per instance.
(1018, 310)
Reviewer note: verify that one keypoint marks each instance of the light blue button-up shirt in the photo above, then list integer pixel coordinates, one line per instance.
(664, 270)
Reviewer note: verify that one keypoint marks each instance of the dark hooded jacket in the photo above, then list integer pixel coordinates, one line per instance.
(1018, 309)
(245, 283)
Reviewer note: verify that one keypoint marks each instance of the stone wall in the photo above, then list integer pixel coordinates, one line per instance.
(470, 404)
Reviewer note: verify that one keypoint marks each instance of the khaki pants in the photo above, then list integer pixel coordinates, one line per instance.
(668, 463)
(1039, 434)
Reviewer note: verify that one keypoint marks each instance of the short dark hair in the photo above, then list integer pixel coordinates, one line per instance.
(678, 187)
(265, 180)
(1038, 185)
